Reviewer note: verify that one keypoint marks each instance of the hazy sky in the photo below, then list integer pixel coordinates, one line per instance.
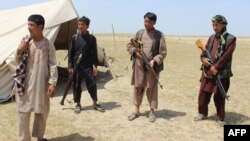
(175, 17)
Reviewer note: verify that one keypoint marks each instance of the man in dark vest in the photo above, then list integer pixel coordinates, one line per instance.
(85, 44)
(155, 50)
(221, 46)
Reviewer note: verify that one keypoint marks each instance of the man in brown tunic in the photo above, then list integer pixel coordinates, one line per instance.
(155, 50)
(221, 46)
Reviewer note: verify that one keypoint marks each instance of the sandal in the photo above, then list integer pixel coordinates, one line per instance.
(133, 116)
(99, 108)
(199, 117)
(222, 123)
(77, 109)
(152, 117)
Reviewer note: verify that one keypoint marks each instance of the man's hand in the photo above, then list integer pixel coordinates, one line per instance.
(95, 70)
(70, 70)
(24, 44)
(133, 49)
(51, 90)
(206, 62)
(22, 47)
(213, 70)
(138, 55)
(152, 63)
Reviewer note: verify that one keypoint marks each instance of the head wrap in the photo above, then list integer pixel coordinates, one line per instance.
(219, 19)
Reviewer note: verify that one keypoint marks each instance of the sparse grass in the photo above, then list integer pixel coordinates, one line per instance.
(177, 102)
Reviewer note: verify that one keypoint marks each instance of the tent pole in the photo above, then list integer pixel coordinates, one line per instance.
(114, 35)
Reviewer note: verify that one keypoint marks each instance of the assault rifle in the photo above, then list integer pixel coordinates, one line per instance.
(200, 45)
(70, 81)
(138, 44)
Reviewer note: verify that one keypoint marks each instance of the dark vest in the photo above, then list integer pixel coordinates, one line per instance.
(226, 71)
(155, 47)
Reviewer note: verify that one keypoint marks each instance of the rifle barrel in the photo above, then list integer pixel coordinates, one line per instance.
(65, 92)
(150, 68)
(71, 79)
(217, 77)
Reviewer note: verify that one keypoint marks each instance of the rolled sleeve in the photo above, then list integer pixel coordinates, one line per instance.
(53, 72)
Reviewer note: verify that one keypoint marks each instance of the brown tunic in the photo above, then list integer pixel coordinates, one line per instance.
(140, 77)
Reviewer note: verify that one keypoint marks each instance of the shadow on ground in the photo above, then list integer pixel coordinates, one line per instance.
(101, 79)
(236, 118)
(73, 137)
(165, 114)
(106, 105)
(232, 118)
(168, 114)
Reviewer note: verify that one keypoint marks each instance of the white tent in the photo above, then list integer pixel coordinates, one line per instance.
(60, 24)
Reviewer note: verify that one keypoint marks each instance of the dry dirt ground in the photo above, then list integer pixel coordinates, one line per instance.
(177, 100)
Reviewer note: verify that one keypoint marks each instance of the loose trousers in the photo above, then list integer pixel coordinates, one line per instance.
(39, 125)
(219, 101)
(152, 95)
(90, 83)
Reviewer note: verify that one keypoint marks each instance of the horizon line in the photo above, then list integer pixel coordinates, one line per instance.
(182, 35)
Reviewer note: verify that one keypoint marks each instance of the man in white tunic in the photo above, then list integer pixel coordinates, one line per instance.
(36, 78)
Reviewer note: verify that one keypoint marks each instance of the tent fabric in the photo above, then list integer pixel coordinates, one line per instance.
(60, 24)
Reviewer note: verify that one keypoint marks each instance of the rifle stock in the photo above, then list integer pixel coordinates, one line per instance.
(201, 45)
(66, 90)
